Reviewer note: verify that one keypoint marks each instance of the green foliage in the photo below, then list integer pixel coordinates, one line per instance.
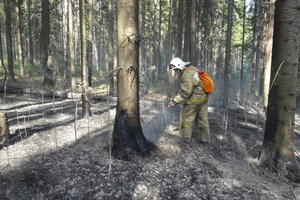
(35, 70)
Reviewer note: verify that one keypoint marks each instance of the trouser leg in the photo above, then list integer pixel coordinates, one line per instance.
(203, 132)
(187, 117)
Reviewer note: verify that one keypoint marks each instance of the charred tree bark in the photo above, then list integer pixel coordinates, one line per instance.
(279, 130)
(128, 134)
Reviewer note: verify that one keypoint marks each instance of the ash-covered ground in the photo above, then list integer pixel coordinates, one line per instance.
(54, 154)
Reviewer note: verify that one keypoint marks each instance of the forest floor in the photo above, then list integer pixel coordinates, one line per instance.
(54, 154)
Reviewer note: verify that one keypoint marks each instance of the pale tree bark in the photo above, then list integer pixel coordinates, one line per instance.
(268, 35)
(128, 135)
(10, 59)
(111, 47)
(44, 43)
(71, 75)
(4, 128)
(86, 110)
(279, 129)
(227, 53)
(19, 50)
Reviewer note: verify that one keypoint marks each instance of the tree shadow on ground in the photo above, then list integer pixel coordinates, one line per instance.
(85, 170)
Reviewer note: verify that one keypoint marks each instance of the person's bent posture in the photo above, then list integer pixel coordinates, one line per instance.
(195, 102)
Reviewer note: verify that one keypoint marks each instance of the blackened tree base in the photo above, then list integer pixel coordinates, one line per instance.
(129, 140)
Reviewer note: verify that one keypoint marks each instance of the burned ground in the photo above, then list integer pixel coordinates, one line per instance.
(54, 154)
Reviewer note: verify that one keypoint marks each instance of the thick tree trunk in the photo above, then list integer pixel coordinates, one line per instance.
(227, 53)
(4, 129)
(10, 59)
(111, 47)
(279, 130)
(128, 135)
(86, 110)
(19, 49)
(44, 42)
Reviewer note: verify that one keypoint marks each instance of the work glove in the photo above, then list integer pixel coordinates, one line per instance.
(171, 103)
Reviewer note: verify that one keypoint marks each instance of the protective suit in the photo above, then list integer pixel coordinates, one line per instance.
(195, 105)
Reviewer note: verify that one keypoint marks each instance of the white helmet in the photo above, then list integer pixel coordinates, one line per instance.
(177, 63)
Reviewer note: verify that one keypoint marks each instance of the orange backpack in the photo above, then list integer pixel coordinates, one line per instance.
(205, 80)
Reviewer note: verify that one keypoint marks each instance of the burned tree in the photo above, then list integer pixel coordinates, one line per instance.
(279, 130)
(128, 135)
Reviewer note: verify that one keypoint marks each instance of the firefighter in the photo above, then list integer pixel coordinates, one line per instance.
(194, 100)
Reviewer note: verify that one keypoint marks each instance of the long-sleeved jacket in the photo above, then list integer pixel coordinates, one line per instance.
(191, 91)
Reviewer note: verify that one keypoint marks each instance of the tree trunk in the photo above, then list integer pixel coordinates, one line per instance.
(31, 44)
(254, 44)
(44, 42)
(71, 76)
(243, 52)
(279, 130)
(1, 54)
(187, 31)
(10, 59)
(227, 53)
(269, 25)
(19, 36)
(193, 45)
(90, 42)
(4, 129)
(86, 111)
(128, 135)
(179, 29)
(111, 47)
